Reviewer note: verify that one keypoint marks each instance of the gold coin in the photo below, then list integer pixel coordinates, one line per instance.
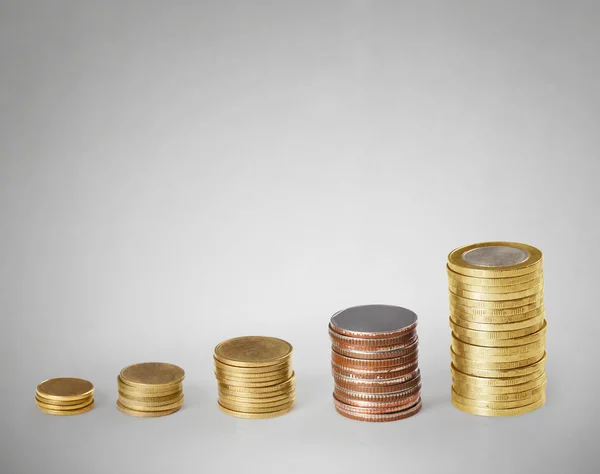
(257, 378)
(461, 377)
(461, 331)
(239, 383)
(491, 362)
(503, 373)
(497, 405)
(500, 397)
(152, 375)
(250, 409)
(133, 392)
(467, 365)
(512, 303)
(503, 327)
(255, 415)
(253, 396)
(490, 312)
(64, 389)
(272, 388)
(509, 281)
(159, 400)
(495, 260)
(286, 364)
(461, 387)
(470, 351)
(79, 411)
(459, 316)
(473, 295)
(146, 414)
(52, 406)
(253, 351)
(65, 403)
(132, 405)
(496, 289)
(252, 400)
(493, 412)
(503, 342)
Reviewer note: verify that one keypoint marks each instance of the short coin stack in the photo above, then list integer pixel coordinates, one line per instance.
(498, 326)
(150, 389)
(65, 396)
(255, 377)
(374, 362)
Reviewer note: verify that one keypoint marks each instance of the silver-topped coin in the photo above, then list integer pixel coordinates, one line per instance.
(373, 321)
(495, 256)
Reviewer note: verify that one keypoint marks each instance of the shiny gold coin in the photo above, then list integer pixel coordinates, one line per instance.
(51, 406)
(505, 412)
(461, 377)
(494, 313)
(518, 341)
(238, 383)
(250, 406)
(483, 319)
(78, 411)
(506, 304)
(146, 414)
(261, 395)
(495, 260)
(166, 398)
(467, 365)
(286, 364)
(152, 374)
(509, 281)
(503, 373)
(239, 414)
(151, 402)
(497, 405)
(64, 389)
(250, 409)
(472, 359)
(66, 404)
(480, 296)
(271, 388)
(471, 351)
(282, 375)
(536, 282)
(461, 387)
(505, 327)
(247, 400)
(500, 397)
(151, 407)
(253, 351)
(148, 392)
(461, 331)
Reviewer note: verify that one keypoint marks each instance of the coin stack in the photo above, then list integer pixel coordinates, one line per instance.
(374, 361)
(150, 389)
(498, 328)
(255, 377)
(65, 396)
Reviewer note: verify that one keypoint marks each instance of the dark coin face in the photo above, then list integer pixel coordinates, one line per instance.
(495, 256)
(373, 320)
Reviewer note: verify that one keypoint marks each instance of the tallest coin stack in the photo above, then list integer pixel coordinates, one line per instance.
(497, 315)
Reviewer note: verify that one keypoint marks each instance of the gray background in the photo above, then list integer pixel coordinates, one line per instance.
(175, 174)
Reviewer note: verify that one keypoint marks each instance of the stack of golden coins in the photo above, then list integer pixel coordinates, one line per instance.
(498, 327)
(65, 396)
(255, 377)
(375, 363)
(150, 389)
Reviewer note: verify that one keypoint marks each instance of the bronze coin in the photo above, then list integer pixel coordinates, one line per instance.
(374, 375)
(382, 417)
(394, 352)
(365, 364)
(410, 396)
(376, 388)
(376, 321)
(361, 343)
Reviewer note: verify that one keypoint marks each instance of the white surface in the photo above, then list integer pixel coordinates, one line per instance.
(172, 176)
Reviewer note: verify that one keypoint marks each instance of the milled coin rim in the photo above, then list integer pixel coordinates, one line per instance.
(531, 264)
(400, 415)
(255, 415)
(146, 414)
(79, 411)
(506, 412)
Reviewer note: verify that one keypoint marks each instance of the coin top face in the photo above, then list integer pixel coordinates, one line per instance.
(374, 319)
(153, 373)
(253, 349)
(65, 387)
(495, 256)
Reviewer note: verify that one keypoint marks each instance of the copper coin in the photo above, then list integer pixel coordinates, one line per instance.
(374, 321)
(382, 417)
(410, 396)
(367, 364)
(374, 375)
(375, 410)
(362, 343)
(394, 352)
